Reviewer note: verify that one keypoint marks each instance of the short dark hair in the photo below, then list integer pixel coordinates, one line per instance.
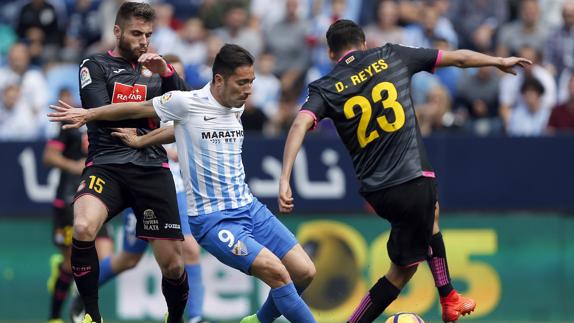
(344, 34)
(229, 58)
(531, 83)
(138, 10)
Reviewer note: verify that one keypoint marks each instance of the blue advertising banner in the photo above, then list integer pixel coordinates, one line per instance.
(473, 174)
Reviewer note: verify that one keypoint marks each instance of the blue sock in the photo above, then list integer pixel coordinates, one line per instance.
(291, 305)
(196, 291)
(106, 272)
(268, 311)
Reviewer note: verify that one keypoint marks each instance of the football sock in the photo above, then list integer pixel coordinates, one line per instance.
(439, 266)
(381, 295)
(196, 290)
(86, 270)
(291, 305)
(175, 292)
(268, 311)
(61, 289)
(106, 272)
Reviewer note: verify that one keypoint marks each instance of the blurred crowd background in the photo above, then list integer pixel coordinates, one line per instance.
(42, 43)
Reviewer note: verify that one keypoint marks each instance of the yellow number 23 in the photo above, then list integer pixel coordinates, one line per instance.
(389, 103)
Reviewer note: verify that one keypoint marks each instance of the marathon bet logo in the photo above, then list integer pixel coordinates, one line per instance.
(150, 221)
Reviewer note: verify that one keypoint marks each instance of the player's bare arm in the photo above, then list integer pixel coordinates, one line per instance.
(54, 158)
(77, 117)
(159, 136)
(469, 58)
(303, 122)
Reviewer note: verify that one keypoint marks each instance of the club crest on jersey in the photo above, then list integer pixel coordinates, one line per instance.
(240, 249)
(85, 77)
(145, 72)
(350, 59)
(129, 93)
(166, 97)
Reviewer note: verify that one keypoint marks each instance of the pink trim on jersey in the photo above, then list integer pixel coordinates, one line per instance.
(169, 73)
(430, 174)
(347, 52)
(57, 144)
(312, 114)
(438, 60)
(90, 164)
(165, 165)
(59, 203)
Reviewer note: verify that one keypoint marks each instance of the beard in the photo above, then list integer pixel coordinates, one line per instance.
(129, 53)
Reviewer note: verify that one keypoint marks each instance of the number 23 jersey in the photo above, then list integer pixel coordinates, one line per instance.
(367, 95)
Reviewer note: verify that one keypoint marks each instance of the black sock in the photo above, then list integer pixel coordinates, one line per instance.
(439, 266)
(381, 295)
(175, 292)
(86, 270)
(60, 292)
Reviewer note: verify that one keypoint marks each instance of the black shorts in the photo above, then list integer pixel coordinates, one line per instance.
(149, 191)
(409, 207)
(63, 221)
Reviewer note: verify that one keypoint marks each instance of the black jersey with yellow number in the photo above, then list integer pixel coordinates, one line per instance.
(367, 95)
(106, 79)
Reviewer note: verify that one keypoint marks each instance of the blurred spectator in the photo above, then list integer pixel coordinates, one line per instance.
(66, 95)
(285, 41)
(236, 31)
(16, 118)
(449, 76)
(477, 99)
(38, 23)
(191, 45)
(164, 37)
(268, 13)
(527, 31)
(320, 22)
(107, 17)
(559, 49)
(432, 25)
(253, 119)
(529, 118)
(509, 91)
(386, 29)
(33, 86)
(562, 116)
(184, 9)
(435, 113)
(266, 87)
(476, 21)
(83, 29)
(197, 75)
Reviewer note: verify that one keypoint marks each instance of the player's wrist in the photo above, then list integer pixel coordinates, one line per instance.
(169, 72)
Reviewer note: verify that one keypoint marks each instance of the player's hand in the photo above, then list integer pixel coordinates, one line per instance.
(509, 63)
(285, 198)
(129, 136)
(72, 117)
(154, 62)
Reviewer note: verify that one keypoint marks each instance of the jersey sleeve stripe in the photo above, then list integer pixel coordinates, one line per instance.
(438, 60)
(312, 114)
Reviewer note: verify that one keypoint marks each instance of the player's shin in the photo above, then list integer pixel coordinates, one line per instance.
(196, 291)
(61, 288)
(269, 312)
(175, 292)
(439, 266)
(85, 268)
(291, 305)
(381, 295)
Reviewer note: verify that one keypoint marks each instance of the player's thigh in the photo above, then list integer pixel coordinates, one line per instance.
(270, 232)
(154, 203)
(232, 243)
(99, 196)
(299, 265)
(410, 208)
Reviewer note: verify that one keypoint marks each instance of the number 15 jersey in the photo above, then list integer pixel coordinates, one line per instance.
(367, 95)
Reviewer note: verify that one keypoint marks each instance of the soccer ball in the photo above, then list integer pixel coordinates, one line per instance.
(405, 318)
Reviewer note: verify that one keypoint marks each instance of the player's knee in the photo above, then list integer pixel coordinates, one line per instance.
(172, 269)
(84, 230)
(191, 253)
(306, 275)
(131, 261)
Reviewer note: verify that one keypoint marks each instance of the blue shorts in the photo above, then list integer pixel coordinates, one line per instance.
(134, 245)
(235, 237)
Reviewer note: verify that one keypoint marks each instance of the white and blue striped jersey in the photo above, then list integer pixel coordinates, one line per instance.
(209, 139)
